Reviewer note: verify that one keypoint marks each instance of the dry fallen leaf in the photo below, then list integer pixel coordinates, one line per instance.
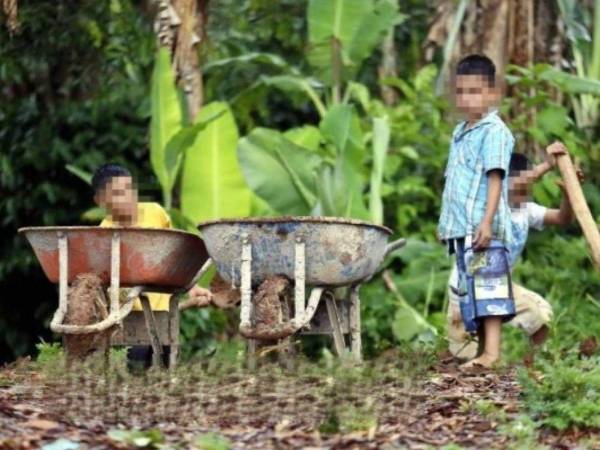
(42, 424)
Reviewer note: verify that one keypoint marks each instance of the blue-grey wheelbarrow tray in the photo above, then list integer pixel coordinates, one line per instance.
(338, 251)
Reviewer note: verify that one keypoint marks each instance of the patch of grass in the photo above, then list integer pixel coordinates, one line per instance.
(5, 381)
(489, 410)
(348, 419)
(523, 434)
(51, 358)
(212, 441)
(566, 395)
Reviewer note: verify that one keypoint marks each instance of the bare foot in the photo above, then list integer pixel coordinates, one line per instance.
(540, 336)
(484, 360)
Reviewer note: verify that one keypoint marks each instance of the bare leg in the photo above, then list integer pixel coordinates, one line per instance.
(492, 330)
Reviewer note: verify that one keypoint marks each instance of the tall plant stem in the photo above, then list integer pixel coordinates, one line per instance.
(336, 70)
(451, 42)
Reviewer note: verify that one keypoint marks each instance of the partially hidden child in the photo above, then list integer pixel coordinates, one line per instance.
(114, 190)
(533, 312)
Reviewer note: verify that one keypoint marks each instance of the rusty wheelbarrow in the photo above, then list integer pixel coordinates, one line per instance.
(143, 259)
(324, 253)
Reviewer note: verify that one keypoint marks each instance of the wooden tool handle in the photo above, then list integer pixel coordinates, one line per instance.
(579, 205)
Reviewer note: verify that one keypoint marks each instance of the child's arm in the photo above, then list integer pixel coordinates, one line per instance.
(541, 169)
(552, 151)
(483, 234)
(563, 216)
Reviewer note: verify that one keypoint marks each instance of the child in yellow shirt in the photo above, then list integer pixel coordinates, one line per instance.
(114, 190)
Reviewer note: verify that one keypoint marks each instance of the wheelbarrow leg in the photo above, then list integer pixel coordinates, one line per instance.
(299, 281)
(334, 320)
(354, 322)
(157, 355)
(247, 309)
(115, 272)
(63, 277)
(286, 352)
(173, 330)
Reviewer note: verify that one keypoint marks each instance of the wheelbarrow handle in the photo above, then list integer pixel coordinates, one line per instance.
(394, 246)
(205, 267)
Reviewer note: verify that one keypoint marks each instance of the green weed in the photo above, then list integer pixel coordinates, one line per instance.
(212, 441)
(568, 394)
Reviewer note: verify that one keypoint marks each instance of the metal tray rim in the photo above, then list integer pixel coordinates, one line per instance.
(290, 219)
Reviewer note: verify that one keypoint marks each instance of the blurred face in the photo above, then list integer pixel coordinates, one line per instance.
(519, 186)
(119, 197)
(473, 95)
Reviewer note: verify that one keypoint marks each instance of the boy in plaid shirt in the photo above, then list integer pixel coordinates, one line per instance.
(475, 215)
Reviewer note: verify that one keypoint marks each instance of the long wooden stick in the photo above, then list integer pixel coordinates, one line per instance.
(579, 205)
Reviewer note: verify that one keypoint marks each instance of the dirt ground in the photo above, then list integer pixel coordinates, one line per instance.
(389, 404)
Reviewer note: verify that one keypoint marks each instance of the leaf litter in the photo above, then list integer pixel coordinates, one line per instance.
(396, 401)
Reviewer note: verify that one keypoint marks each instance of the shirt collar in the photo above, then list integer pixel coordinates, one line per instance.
(460, 131)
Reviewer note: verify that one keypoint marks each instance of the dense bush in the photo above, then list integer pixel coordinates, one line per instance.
(74, 85)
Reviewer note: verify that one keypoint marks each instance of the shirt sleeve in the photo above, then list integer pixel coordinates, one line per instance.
(162, 217)
(497, 147)
(535, 215)
(167, 220)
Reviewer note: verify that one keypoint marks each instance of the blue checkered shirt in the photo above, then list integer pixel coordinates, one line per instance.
(473, 153)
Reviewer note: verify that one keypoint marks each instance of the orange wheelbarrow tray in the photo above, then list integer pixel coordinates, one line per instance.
(144, 259)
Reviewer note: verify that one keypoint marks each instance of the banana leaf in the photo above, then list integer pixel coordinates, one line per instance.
(381, 141)
(212, 185)
(342, 187)
(279, 171)
(357, 25)
(166, 119)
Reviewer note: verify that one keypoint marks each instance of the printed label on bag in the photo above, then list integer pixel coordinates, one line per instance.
(491, 288)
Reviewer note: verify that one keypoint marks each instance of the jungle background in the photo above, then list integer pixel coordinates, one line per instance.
(260, 90)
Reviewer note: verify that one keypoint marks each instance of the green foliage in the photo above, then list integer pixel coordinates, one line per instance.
(166, 121)
(348, 419)
(415, 310)
(211, 172)
(420, 138)
(350, 28)
(381, 141)
(74, 90)
(583, 32)
(212, 185)
(50, 357)
(522, 432)
(200, 329)
(568, 395)
(212, 441)
(279, 171)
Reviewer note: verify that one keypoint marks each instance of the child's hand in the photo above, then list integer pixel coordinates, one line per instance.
(483, 235)
(200, 296)
(553, 150)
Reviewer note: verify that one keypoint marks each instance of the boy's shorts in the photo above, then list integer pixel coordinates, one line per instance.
(532, 313)
(483, 284)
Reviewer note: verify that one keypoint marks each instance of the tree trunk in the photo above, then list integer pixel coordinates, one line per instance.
(180, 27)
(520, 32)
(507, 31)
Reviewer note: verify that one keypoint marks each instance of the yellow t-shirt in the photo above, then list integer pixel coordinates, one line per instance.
(150, 215)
